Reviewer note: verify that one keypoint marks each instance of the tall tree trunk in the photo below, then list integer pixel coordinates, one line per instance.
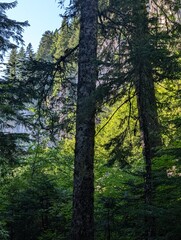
(147, 108)
(83, 194)
(151, 139)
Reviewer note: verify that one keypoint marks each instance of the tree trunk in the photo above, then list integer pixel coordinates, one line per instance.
(151, 139)
(147, 108)
(83, 193)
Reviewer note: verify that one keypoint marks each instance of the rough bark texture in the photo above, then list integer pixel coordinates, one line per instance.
(83, 195)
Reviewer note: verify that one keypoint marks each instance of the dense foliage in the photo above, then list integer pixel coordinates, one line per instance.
(136, 45)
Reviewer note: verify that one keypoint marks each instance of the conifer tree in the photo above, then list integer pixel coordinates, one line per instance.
(142, 52)
(29, 53)
(9, 29)
(12, 105)
(10, 35)
(83, 194)
(45, 47)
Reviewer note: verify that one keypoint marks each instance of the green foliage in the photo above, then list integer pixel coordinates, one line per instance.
(45, 51)
(13, 102)
(38, 197)
(10, 100)
(9, 29)
(36, 179)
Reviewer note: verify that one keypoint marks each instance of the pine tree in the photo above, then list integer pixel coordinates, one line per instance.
(141, 48)
(12, 105)
(10, 35)
(9, 29)
(45, 47)
(147, 108)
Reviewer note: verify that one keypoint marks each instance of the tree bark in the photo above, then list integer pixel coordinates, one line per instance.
(83, 193)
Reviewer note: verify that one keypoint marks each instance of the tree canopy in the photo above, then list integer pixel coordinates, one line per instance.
(90, 124)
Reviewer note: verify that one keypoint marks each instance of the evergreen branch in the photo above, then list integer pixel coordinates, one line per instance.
(122, 104)
(68, 52)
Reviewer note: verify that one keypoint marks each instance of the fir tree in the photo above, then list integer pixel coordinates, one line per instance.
(45, 51)
(140, 44)
(9, 29)
(10, 34)
(83, 194)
